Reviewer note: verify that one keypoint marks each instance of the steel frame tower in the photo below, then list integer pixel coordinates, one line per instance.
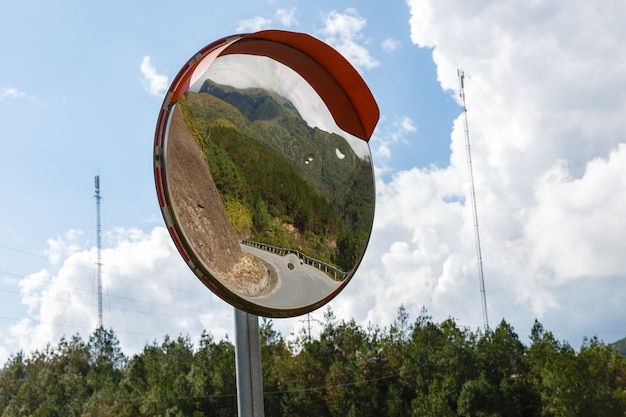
(479, 255)
(99, 245)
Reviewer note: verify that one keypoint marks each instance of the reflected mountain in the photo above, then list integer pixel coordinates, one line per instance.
(301, 187)
(272, 181)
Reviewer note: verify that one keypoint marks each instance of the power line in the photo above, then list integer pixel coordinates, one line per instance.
(78, 265)
(120, 297)
(479, 255)
(23, 251)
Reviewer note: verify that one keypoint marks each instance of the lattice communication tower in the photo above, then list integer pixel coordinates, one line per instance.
(479, 256)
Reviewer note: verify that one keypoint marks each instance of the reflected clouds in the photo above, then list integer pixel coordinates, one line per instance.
(251, 71)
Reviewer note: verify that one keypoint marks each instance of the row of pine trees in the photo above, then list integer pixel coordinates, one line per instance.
(411, 368)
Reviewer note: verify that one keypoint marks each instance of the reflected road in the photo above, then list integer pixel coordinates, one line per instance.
(297, 287)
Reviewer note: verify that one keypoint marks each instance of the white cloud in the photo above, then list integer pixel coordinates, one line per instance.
(148, 292)
(12, 93)
(548, 149)
(343, 32)
(390, 44)
(254, 24)
(407, 125)
(156, 84)
(61, 247)
(576, 228)
(286, 17)
(386, 135)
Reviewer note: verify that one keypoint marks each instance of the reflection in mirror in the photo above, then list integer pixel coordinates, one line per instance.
(276, 201)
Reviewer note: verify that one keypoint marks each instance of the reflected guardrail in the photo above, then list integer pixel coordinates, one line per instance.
(330, 270)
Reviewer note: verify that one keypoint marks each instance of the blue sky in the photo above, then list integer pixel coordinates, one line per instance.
(80, 89)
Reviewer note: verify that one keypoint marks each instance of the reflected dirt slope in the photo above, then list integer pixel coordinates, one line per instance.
(202, 216)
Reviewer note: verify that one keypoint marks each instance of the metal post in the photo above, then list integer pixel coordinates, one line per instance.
(248, 365)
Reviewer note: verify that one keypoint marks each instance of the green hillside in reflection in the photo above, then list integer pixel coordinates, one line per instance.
(281, 181)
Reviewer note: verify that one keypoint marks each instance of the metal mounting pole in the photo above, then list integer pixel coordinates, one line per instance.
(248, 365)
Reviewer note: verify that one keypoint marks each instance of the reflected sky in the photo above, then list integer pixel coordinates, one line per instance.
(252, 71)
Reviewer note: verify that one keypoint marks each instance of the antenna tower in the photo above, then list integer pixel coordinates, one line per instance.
(99, 245)
(479, 255)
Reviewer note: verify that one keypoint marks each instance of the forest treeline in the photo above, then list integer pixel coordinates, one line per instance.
(418, 368)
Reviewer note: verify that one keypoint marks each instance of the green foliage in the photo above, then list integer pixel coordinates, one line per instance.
(266, 188)
(287, 177)
(421, 368)
(620, 346)
(238, 215)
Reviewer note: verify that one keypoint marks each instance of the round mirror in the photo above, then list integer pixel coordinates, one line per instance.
(264, 173)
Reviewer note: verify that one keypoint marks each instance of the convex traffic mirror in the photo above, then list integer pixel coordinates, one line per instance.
(263, 170)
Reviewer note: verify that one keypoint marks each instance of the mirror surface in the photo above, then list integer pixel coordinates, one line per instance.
(274, 201)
